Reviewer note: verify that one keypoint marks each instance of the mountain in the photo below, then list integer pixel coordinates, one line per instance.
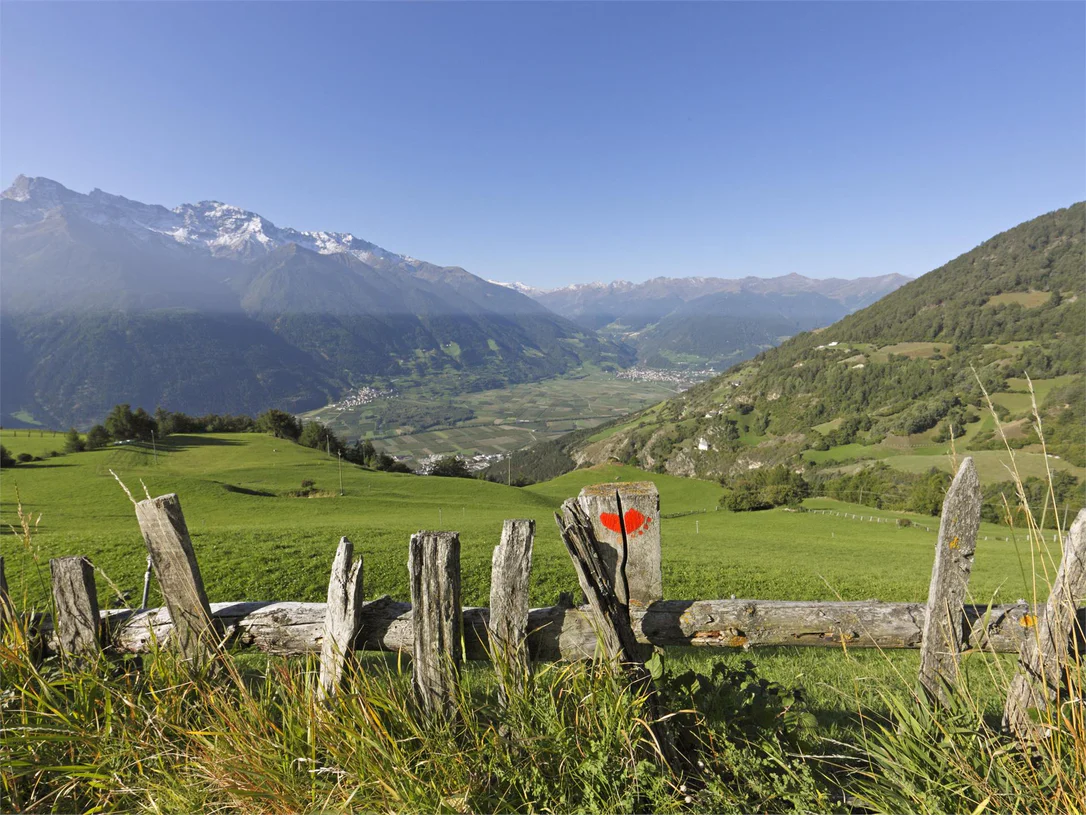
(898, 375)
(210, 307)
(709, 321)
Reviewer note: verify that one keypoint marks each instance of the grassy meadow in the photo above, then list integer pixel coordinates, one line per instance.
(159, 738)
(256, 542)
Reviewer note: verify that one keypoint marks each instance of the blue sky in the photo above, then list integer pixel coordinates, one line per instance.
(555, 143)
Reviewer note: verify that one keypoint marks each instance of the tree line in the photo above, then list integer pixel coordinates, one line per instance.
(883, 487)
(123, 424)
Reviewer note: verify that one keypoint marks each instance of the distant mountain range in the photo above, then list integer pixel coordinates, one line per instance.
(208, 307)
(701, 321)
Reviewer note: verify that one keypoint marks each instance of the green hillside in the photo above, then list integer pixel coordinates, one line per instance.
(899, 379)
(255, 541)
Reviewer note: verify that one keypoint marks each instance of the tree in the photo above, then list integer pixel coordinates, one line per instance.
(97, 437)
(120, 423)
(926, 496)
(319, 437)
(450, 467)
(123, 423)
(6, 459)
(73, 442)
(280, 424)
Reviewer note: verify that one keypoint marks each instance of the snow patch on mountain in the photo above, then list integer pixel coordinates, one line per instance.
(221, 229)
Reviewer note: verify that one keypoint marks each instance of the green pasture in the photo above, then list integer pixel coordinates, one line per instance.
(36, 442)
(505, 419)
(992, 465)
(255, 543)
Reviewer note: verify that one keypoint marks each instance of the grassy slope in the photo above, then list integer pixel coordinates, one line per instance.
(984, 310)
(253, 546)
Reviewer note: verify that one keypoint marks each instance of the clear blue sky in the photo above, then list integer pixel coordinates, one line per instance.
(555, 143)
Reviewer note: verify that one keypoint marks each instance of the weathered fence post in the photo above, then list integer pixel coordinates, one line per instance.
(511, 567)
(77, 621)
(1043, 658)
(943, 631)
(601, 584)
(167, 537)
(609, 609)
(639, 521)
(434, 568)
(343, 615)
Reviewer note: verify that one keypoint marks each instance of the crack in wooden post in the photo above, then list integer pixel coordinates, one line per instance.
(628, 526)
(434, 569)
(343, 617)
(511, 568)
(162, 523)
(78, 622)
(944, 629)
(1043, 660)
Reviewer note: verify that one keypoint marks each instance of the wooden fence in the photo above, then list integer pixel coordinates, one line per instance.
(612, 533)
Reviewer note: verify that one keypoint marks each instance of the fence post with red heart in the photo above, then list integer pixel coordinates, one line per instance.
(641, 516)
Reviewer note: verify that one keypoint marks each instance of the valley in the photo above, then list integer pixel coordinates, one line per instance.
(414, 420)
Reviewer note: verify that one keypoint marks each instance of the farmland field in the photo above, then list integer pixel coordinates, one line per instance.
(494, 421)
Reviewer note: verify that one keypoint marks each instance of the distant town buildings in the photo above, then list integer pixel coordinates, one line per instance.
(680, 379)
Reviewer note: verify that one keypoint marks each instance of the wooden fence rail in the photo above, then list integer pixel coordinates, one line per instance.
(557, 632)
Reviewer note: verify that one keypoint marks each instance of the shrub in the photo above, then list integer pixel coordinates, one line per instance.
(764, 489)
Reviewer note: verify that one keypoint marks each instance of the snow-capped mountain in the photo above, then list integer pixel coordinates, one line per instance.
(222, 229)
(208, 306)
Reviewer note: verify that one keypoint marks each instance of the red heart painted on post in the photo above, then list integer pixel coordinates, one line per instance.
(634, 521)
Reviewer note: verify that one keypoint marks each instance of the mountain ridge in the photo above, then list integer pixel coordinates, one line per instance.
(96, 287)
(912, 367)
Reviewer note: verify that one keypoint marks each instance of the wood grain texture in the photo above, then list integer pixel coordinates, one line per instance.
(1042, 662)
(75, 598)
(343, 616)
(610, 613)
(164, 531)
(560, 632)
(943, 634)
(434, 571)
(511, 568)
(641, 517)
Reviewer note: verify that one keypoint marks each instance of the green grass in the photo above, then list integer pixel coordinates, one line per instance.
(992, 465)
(1042, 387)
(35, 442)
(253, 543)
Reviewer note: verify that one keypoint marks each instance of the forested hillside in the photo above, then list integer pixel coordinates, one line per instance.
(900, 377)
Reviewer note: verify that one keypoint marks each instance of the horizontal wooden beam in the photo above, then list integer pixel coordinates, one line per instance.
(556, 632)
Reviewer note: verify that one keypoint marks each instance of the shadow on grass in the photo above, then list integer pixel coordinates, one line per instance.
(185, 442)
(34, 465)
(246, 491)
